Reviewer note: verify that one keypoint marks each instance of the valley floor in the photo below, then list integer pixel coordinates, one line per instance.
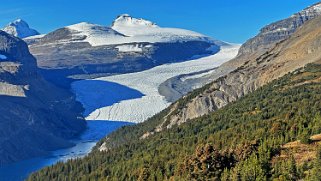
(114, 101)
(135, 97)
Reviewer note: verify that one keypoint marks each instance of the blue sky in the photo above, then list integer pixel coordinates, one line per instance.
(228, 20)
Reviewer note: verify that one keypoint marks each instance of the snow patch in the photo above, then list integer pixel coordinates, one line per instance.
(97, 35)
(35, 37)
(130, 48)
(280, 30)
(3, 57)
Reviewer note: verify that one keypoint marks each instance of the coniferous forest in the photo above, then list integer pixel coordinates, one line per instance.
(271, 134)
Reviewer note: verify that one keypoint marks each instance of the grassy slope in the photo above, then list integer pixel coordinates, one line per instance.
(237, 142)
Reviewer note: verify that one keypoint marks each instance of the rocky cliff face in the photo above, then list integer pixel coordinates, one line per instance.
(299, 49)
(268, 37)
(278, 31)
(36, 117)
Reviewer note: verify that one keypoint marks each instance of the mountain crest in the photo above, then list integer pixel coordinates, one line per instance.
(19, 22)
(280, 30)
(20, 28)
(315, 7)
(127, 20)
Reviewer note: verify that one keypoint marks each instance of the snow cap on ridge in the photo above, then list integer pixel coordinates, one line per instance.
(20, 28)
(127, 20)
(19, 22)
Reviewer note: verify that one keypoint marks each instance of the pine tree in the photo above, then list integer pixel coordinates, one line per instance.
(305, 138)
(293, 171)
(225, 175)
(315, 174)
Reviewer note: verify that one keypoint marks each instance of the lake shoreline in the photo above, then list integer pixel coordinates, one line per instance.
(95, 131)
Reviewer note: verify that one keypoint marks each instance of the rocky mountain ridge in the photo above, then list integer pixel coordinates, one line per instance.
(280, 30)
(299, 49)
(267, 38)
(36, 117)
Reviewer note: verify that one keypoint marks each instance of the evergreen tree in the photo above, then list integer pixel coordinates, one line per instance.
(293, 172)
(305, 138)
(315, 174)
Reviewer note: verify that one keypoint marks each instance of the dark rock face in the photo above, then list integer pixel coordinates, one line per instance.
(36, 116)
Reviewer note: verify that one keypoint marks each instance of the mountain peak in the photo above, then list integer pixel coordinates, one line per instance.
(123, 15)
(20, 28)
(18, 22)
(124, 20)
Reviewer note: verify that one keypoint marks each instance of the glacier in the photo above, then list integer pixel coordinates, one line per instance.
(147, 101)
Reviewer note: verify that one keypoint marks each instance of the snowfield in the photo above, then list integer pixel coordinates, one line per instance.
(126, 29)
(137, 93)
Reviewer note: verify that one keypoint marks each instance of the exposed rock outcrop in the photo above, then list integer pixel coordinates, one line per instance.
(271, 35)
(36, 117)
(278, 31)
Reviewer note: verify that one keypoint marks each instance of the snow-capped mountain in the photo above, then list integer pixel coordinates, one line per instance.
(144, 30)
(127, 29)
(20, 28)
(127, 20)
(128, 45)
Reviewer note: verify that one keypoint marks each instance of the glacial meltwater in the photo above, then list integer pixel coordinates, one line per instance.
(96, 130)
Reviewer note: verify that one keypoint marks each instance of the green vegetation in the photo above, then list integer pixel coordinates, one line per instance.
(239, 142)
(315, 172)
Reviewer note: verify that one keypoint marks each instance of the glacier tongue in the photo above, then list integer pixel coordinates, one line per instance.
(134, 97)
